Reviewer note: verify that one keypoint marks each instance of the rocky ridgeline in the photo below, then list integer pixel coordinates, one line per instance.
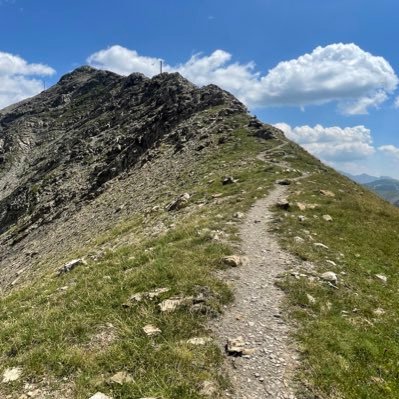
(63, 145)
(62, 149)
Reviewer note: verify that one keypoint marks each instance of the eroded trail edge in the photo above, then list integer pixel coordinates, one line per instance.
(256, 314)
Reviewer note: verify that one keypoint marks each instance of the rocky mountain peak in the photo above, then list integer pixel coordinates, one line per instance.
(62, 146)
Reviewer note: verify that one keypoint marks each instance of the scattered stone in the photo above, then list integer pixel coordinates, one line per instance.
(301, 206)
(178, 203)
(219, 235)
(235, 346)
(15, 281)
(320, 245)
(299, 240)
(331, 262)
(71, 265)
(171, 304)
(327, 193)
(379, 312)
(238, 215)
(157, 292)
(140, 296)
(100, 395)
(151, 330)
(121, 377)
(301, 218)
(234, 260)
(228, 180)
(283, 182)
(248, 351)
(208, 388)
(283, 203)
(12, 374)
(311, 299)
(327, 218)
(199, 340)
(382, 278)
(377, 380)
(330, 277)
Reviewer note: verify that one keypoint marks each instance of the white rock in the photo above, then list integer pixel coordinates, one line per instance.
(311, 299)
(178, 203)
(299, 240)
(151, 330)
(121, 377)
(234, 260)
(71, 265)
(327, 218)
(327, 193)
(100, 395)
(208, 388)
(169, 305)
(238, 215)
(199, 340)
(235, 346)
(12, 374)
(320, 245)
(139, 296)
(330, 277)
(301, 206)
(157, 292)
(381, 277)
(331, 262)
(379, 312)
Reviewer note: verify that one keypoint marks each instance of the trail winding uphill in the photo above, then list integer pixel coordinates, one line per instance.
(256, 315)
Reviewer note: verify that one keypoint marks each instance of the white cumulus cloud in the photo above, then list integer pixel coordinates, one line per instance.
(332, 144)
(124, 61)
(390, 149)
(341, 73)
(18, 78)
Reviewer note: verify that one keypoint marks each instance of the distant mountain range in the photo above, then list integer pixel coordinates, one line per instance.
(384, 186)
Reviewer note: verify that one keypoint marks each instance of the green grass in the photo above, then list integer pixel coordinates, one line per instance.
(78, 337)
(348, 350)
(72, 331)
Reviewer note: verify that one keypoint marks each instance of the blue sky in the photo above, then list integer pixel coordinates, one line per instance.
(335, 94)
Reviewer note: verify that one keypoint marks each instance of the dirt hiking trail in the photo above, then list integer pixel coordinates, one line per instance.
(256, 314)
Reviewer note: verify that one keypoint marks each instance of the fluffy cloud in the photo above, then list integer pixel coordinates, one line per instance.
(397, 102)
(202, 70)
(17, 78)
(390, 149)
(342, 73)
(124, 61)
(332, 144)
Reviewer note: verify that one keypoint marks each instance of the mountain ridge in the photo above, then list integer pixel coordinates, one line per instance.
(122, 201)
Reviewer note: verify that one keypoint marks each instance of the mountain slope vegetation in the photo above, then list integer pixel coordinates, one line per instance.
(142, 179)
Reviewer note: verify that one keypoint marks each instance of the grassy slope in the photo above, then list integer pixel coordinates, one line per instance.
(72, 332)
(349, 349)
(63, 337)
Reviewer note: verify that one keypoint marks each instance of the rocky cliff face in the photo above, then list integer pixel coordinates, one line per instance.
(62, 149)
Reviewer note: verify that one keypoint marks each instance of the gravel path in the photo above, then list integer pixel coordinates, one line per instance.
(256, 312)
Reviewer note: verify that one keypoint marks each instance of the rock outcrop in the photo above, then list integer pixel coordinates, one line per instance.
(62, 150)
